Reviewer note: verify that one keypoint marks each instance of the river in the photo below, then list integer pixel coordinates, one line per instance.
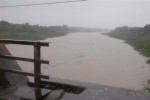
(90, 57)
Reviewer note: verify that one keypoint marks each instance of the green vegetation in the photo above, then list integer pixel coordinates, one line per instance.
(148, 81)
(36, 32)
(147, 88)
(83, 29)
(30, 32)
(137, 37)
(148, 61)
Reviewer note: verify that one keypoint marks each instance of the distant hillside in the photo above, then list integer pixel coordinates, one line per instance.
(30, 32)
(138, 37)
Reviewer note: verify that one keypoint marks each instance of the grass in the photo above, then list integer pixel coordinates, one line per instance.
(148, 61)
(29, 36)
(147, 88)
(140, 42)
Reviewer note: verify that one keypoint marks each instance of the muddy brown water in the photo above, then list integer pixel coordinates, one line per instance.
(90, 57)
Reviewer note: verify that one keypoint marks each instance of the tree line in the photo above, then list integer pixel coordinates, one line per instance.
(10, 30)
(36, 32)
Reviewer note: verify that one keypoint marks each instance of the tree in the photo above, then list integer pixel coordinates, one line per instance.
(147, 28)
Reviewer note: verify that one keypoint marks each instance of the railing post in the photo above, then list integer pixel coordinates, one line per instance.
(37, 65)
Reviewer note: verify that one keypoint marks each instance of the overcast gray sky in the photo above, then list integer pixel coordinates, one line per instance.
(91, 13)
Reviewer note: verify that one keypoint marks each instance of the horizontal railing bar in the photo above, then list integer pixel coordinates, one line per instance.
(24, 59)
(24, 42)
(24, 73)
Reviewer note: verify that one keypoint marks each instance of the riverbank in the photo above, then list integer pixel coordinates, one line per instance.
(30, 32)
(35, 32)
(139, 38)
(30, 36)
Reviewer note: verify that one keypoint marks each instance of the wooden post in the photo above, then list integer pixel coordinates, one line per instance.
(37, 65)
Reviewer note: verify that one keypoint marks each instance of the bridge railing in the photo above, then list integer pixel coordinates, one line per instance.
(37, 60)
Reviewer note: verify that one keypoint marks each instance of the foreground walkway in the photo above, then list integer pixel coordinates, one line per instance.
(90, 92)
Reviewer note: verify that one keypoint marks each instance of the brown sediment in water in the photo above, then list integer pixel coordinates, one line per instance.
(93, 58)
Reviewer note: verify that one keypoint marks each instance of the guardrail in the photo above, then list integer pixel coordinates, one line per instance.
(37, 60)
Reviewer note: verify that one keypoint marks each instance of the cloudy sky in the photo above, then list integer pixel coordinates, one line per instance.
(91, 13)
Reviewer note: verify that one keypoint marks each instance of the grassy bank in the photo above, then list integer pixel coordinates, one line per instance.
(137, 37)
(30, 32)
(29, 36)
(35, 32)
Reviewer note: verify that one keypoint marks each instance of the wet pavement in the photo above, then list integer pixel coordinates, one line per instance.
(91, 92)
(100, 92)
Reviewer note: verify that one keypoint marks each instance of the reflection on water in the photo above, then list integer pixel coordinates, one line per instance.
(90, 57)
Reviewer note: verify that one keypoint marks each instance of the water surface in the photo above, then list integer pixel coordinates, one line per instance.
(90, 57)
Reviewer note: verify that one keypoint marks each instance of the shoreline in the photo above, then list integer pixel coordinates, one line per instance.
(136, 48)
